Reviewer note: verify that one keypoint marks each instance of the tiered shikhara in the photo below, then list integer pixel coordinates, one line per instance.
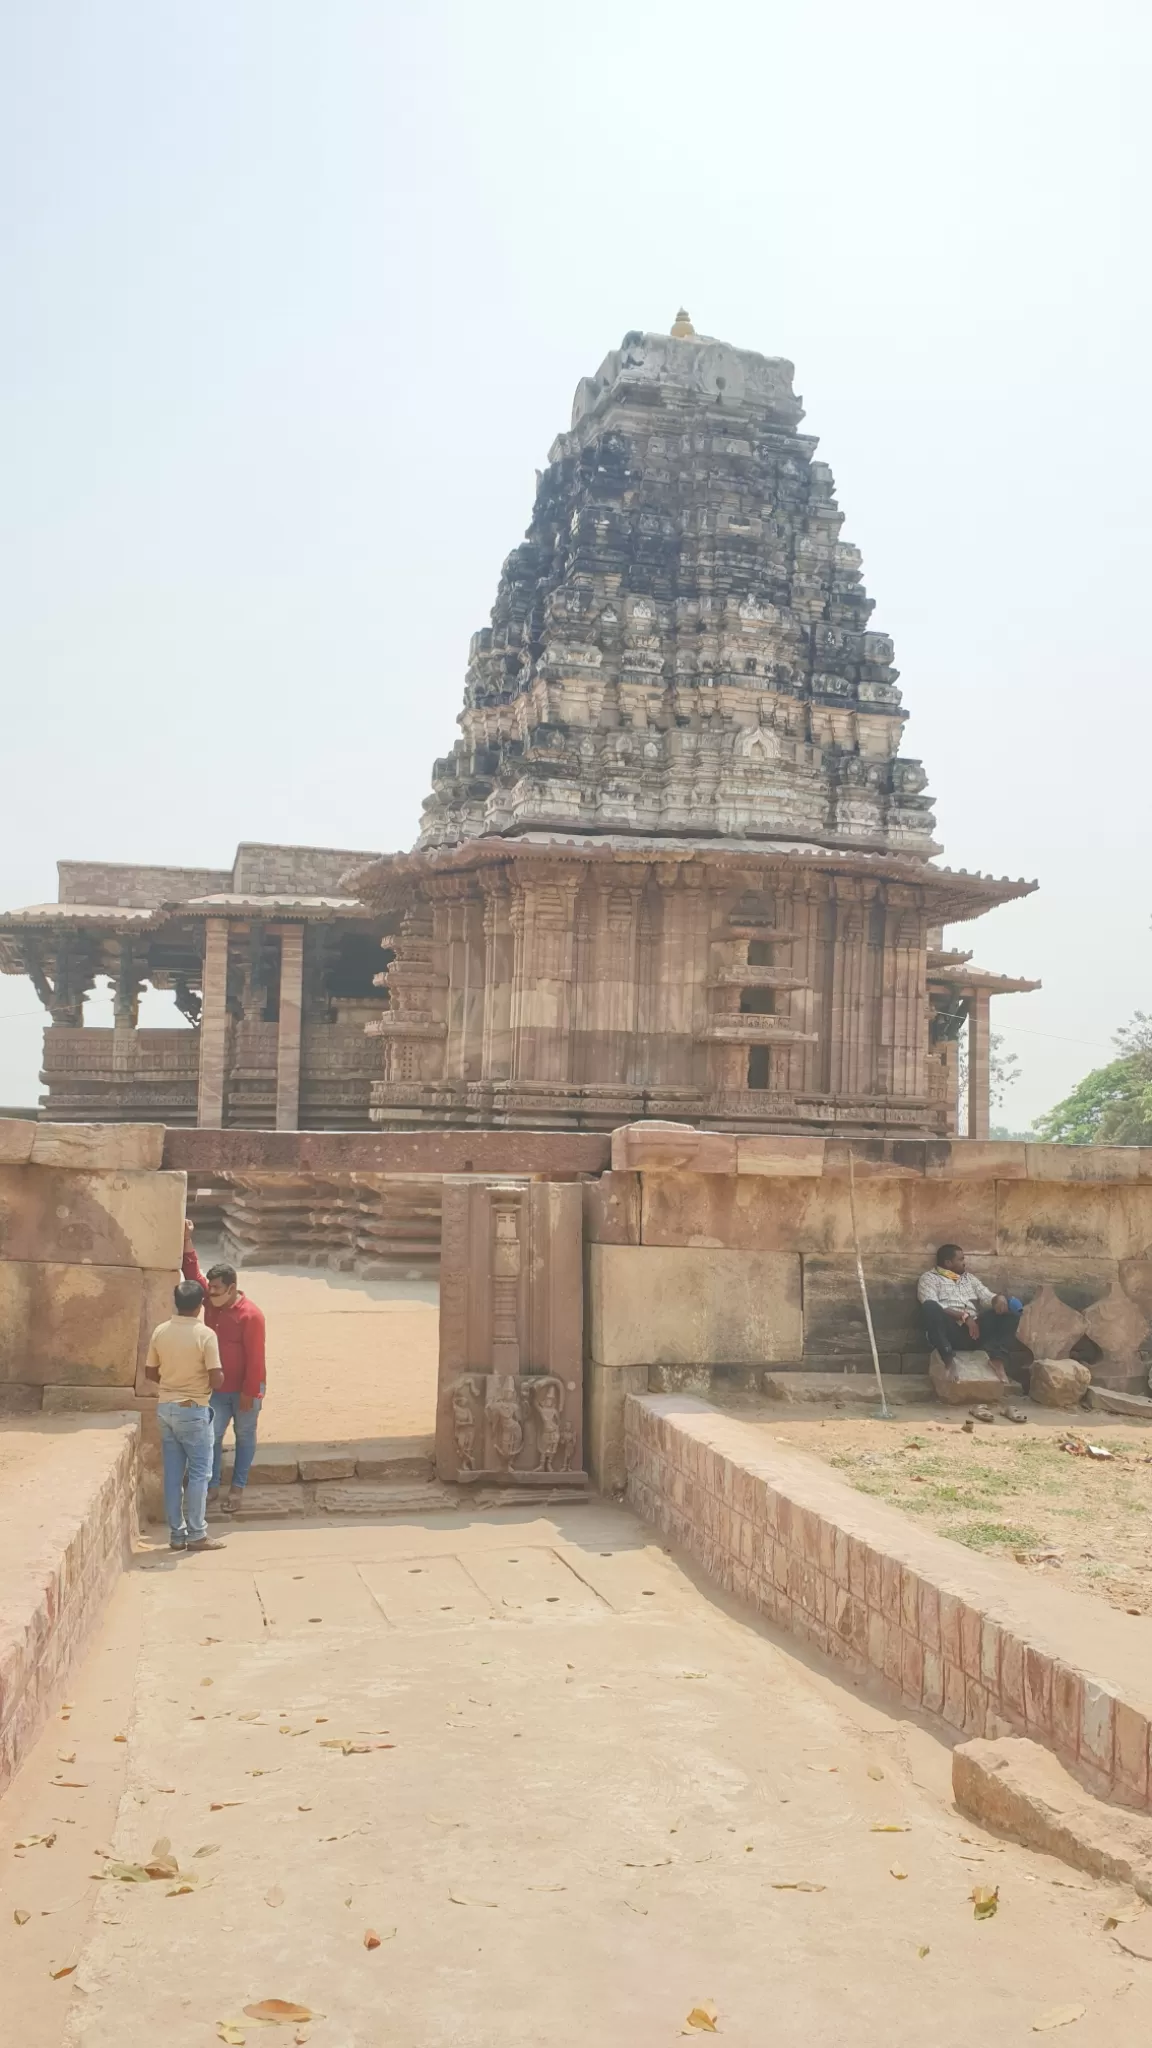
(676, 866)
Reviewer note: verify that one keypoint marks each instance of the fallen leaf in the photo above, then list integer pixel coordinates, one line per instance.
(218, 1805)
(119, 1738)
(206, 1849)
(1060, 2016)
(274, 1896)
(642, 1910)
(890, 1827)
(69, 1784)
(231, 2032)
(66, 1756)
(163, 1846)
(547, 1887)
(985, 1900)
(925, 1951)
(249, 1717)
(874, 1771)
(205, 1681)
(1124, 1915)
(303, 1809)
(20, 1916)
(65, 1972)
(162, 1866)
(704, 2018)
(34, 1842)
(823, 1767)
(797, 1884)
(371, 1938)
(462, 1899)
(279, 2012)
(187, 1884)
(127, 1873)
(896, 1871)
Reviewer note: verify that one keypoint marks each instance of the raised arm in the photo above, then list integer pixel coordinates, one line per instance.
(190, 1264)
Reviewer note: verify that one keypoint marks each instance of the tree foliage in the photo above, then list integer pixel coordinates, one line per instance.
(1112, 1105)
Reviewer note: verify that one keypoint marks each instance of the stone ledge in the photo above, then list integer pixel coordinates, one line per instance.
(1016, 1788)
(976, 1641)
(67, 1524)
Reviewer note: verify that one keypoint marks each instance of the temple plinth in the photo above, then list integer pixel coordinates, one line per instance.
(676, 866)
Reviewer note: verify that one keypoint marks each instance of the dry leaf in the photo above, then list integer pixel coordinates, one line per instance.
(462, 1899)
(69, 1784)
(797, 1884)
(547, 1887)
(218, 1805)
(704, 2018)
(163, 1846)
(274, 1896)
(1124, 1915)
(985, 1900)
(896, 1871)
(1060, 2016)
(179, 1891)
(119, 1738)
(127, 1873)
(162, 1866)
(890, 1827)
(925, 1951)
(20, 1916)
(232, 2032)
(279, 2012)
(66, 1756)
(874, 1771)
(823, 1767)
(255, 1716)
(34, 1842)
(642, 1910)
(205, 1681)
(206, 1849)
(371, 1938)
(65, 1972)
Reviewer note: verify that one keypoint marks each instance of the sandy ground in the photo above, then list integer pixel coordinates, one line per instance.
(606, 1799)
(347, 1359)
(1007, 1489)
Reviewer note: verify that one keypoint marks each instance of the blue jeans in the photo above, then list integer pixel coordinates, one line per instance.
(186, 1448)
(226, 1409)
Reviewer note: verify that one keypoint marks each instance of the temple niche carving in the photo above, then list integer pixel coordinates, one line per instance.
(675, 865)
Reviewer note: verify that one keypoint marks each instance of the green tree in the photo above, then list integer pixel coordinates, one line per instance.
(1112, 1105)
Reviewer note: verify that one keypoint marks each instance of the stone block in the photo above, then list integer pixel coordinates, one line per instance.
(1116, 1325)
(1083, 1162)
(970, 1378)
(1059, 1382)
(878, 1158)
(779, 1158)
(1015, 1788)
(651, 1305)
(102, 1219)
(65, 1400)
(326, 1465)
(612, 1209)
(273, 1465)
(156, 1306)
(901, 1220)
(103, 1148)
(978, 1159)
(16, 1137)
(657, 1147)
(409, 1457)
(608, 1388)
(1111, 1402)
(1085, 1219)
(70, 1324)
(17, 1398)
(843, 1389)
(1048, 1327)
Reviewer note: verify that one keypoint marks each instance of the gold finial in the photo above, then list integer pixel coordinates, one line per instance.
(682, 327)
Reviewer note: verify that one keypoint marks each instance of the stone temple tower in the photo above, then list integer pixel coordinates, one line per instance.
(675, 865)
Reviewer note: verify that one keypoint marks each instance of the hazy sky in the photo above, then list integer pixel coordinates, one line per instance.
(296, 297)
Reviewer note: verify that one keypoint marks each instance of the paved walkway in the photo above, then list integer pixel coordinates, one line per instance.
(573, 1796)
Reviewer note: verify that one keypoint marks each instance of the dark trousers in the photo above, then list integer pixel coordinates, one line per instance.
(997, 1332)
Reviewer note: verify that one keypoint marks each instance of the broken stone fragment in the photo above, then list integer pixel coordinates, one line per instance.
(971, 1376)
(1059, 1382)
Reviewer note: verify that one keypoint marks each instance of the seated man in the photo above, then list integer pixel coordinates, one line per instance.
(960, 1314)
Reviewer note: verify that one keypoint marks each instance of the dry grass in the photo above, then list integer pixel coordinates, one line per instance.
(1010, 1490)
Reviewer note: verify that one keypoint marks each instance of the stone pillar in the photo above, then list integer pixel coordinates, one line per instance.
(213, 1025)
(979, 1075)
(510, 1399)
(289, 1035)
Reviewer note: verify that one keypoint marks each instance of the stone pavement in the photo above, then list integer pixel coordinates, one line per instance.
(573, 1793)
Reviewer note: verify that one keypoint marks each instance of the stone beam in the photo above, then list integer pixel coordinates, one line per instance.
(288, 1039)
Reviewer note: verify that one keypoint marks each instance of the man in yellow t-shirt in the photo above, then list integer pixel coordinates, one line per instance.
(184, 1358)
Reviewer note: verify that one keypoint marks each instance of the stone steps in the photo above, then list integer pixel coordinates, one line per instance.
(380, 1476)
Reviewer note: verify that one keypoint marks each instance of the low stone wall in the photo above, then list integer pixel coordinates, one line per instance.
(67, 1523)
(713, 1257)
(976, 1641)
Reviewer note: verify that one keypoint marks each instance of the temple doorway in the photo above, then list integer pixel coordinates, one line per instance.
(351, 1401)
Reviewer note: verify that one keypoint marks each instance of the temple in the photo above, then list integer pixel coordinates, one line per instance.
(273, 967)
(676, 866)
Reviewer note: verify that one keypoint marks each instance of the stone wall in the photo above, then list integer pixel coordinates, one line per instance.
(68, 1490)
(976, 1641)
(712, 1257)
(91, 1231)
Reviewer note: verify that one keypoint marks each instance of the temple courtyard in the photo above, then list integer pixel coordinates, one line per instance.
(509, 1779)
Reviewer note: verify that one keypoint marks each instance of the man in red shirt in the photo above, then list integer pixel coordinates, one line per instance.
(239, 1328)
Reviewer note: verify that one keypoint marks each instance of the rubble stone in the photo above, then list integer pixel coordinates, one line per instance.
(1059, 1382)
(971, 1377)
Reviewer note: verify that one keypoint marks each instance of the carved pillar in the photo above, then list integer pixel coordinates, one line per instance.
(213, 1025)
(979, 1073)
(290, 1030)
(903, 1006)
(126, 988)
(509, 1406)
(499, 951)
(850, 1029)
(543, 985)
